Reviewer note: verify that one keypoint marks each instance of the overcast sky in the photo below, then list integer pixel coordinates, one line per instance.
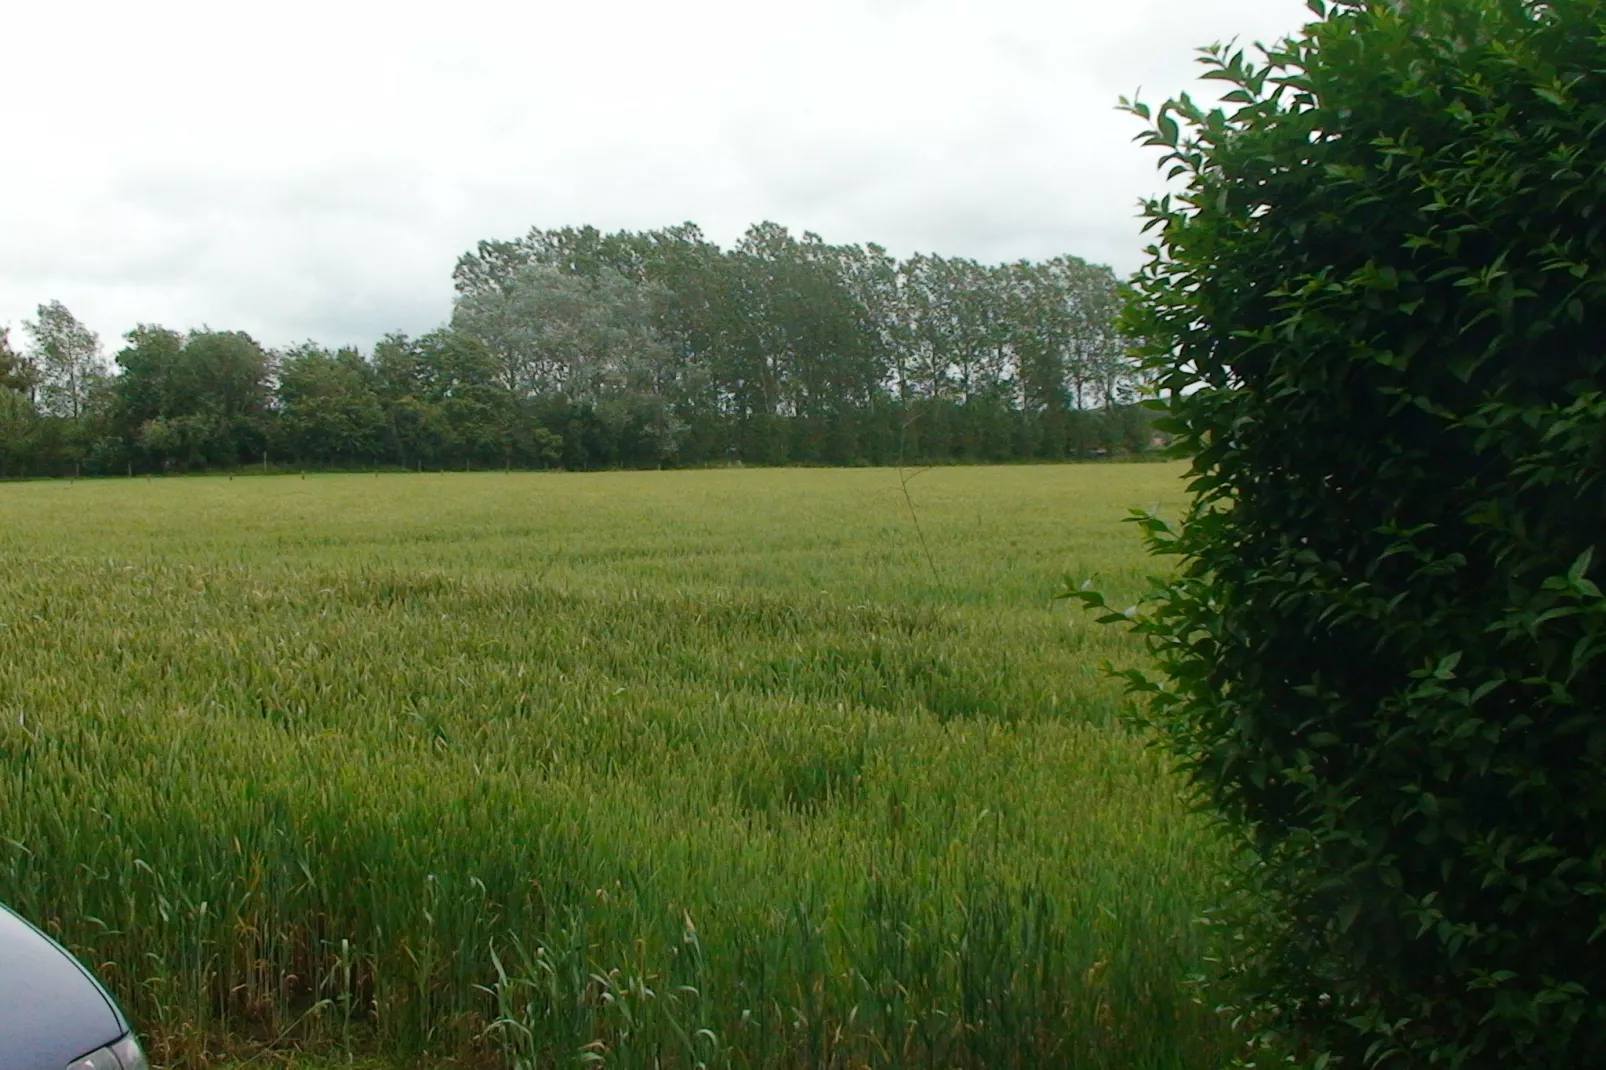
(313, 170)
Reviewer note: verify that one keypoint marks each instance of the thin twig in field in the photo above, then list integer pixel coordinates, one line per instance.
(903, 484)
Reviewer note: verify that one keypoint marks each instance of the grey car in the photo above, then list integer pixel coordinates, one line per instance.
(53, 1014)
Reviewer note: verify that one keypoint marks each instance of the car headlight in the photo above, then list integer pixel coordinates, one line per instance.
(123, 1055)
(129, 1054)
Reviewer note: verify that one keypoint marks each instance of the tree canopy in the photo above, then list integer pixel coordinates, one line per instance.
(584, 349)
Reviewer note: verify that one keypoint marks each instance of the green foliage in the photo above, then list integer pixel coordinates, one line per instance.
(66, 361)
(1376, 316)
(328, 405)
(16, 371)
(19, 421)
(191, 401)
(790, 349)
(642, 770)
(627, 350)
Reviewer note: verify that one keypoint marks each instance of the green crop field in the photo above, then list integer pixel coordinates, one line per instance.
(676, 769)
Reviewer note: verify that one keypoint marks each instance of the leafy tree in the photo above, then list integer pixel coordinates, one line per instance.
(691, 279)
(788, 348)
(18, 421)
(67, 360)
(16, 372)
(807, 350)
(443, 400)
(1376, 316)
(591, 340)
(151, 382)
(193, 399)
(461, 378)
(231, 373)
(554, 332)
(587, 348)
(415, 423)
(328, 405)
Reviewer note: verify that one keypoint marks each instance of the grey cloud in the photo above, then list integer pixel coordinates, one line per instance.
(317, 172)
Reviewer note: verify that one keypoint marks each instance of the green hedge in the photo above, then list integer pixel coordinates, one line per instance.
(1378, 317)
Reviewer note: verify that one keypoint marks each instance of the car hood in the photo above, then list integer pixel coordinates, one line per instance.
(51, 1010)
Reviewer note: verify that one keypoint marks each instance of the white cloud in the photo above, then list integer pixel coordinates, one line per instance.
(314, 169)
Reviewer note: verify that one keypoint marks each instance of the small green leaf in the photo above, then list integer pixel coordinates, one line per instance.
(1581, 565)
(1166, 130)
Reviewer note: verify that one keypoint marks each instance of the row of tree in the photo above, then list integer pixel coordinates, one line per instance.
(576, 348)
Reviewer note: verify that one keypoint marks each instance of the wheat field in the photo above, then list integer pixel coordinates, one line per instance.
(732, 768)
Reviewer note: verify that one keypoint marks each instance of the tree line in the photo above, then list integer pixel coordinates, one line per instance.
(583, 349)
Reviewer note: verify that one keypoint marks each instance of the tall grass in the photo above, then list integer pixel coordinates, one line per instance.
(628, 770)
